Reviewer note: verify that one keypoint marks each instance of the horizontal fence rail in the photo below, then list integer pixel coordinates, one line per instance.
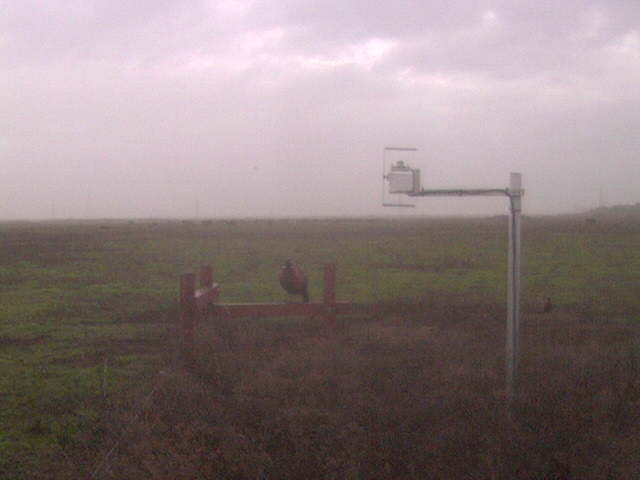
(195, 302)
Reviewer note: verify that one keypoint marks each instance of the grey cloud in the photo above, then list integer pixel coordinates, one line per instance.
(263, 108)
(525, 38)
(72, 31)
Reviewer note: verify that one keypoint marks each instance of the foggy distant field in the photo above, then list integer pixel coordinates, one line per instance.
(88, 308)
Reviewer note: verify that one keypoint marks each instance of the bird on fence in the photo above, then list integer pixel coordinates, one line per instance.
(547, 306)
(294, 281)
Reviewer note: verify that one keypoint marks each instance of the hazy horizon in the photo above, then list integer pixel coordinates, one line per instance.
(392, 214)
(242, 108)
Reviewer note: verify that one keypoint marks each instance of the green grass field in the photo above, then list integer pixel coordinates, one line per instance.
(87, 309)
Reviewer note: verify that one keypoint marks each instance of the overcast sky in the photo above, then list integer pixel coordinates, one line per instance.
(114, 108)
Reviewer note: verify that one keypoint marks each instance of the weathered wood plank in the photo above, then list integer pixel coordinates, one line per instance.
(188, 314)
(330, 293)
(236, 310)
(206, 295)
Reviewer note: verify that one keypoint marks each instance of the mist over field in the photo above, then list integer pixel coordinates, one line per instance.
(198, 278)
(249, 108)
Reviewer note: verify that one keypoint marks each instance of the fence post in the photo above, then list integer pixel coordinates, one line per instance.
(206, 276)
(330, 293)
(188, 314)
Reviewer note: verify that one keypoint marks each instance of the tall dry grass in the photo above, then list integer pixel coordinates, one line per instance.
(404, 394)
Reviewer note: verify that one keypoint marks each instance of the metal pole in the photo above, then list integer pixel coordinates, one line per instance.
(514, 193)
(513, 293)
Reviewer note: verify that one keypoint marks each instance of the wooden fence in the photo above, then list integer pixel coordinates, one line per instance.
(196, 301)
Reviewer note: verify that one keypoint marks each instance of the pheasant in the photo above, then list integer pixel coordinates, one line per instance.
(294, 281)
(547, 306)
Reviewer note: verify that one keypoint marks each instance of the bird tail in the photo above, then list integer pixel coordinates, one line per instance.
(305, 296)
